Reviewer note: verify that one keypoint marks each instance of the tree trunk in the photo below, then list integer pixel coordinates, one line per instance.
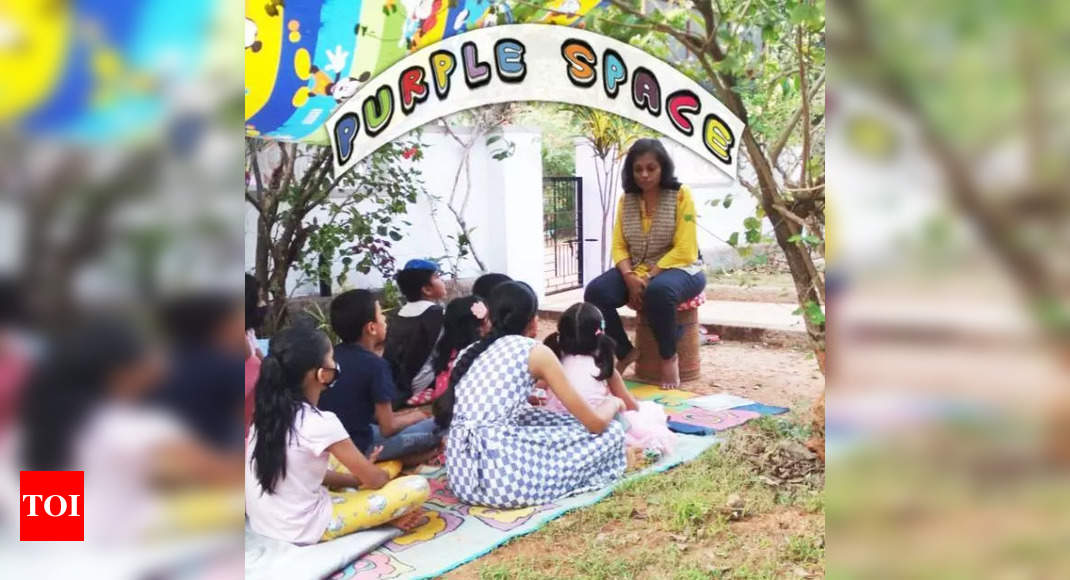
(797, 256)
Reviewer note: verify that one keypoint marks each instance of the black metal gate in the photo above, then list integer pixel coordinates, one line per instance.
(562, 233)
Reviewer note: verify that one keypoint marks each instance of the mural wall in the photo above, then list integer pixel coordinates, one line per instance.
(304, 58)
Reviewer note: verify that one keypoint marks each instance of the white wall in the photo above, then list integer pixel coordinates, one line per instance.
(707, 183)
(504, 211)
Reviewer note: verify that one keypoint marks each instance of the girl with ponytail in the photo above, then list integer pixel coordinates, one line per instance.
(288, 447)
(464, 322)
(586, 354)
(502, 452)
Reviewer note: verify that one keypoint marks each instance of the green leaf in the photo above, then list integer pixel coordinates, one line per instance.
(753, 236)
(813, 313)
(794, 239)
(733, 240)
(752, 223)
(805, 14)
(494, 138)
(727, 202)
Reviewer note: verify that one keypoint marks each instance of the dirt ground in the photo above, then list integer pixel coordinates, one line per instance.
(786, 377)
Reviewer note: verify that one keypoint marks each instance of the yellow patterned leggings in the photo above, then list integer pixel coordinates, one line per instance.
(355, 510)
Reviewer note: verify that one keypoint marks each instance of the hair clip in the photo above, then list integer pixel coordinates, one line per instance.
(479, 310)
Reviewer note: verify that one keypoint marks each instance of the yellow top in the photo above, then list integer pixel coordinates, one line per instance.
(684, 250)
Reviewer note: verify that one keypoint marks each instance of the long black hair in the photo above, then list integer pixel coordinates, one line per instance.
(280, 395)
(72, 379)
(668, 168)
(486, 284)
(580, 331)
(512, 306)
(460, 328)
(254, 313)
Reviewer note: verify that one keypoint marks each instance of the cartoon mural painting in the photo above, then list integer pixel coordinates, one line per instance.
(261, 62)
(305, 58)
(251, 42)
(89, 70)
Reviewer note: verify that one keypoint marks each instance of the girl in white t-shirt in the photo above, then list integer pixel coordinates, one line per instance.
(288, 448)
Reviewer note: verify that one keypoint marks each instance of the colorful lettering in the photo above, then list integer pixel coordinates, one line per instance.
(718, 138)
(412, 88)
(614, 72)
(581, 62)
(680, 102)
(509, 56)
(646, 92)
(442, 66)
(345, 132)
(476, 74)
(378, 110)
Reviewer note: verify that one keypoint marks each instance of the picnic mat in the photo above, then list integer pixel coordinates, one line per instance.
(453, 534)
(270, 559)
(694, 414)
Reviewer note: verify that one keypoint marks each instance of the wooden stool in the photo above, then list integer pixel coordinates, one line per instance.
(648, 366)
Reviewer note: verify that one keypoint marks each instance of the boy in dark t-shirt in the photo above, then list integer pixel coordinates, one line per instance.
(362, 397)
(415, 328)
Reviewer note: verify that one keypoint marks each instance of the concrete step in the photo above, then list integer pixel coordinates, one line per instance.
(766, 322)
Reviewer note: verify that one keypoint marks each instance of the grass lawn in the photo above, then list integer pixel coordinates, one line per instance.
(751, 507)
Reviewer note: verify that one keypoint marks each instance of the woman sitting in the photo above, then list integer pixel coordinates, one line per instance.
(655, 249)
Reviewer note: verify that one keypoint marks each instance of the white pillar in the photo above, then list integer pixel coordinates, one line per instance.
(588, 168)
(519, 229)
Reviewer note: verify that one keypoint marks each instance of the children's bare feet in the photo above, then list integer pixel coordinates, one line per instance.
(409, 521)
(624, 363)
(670, 372)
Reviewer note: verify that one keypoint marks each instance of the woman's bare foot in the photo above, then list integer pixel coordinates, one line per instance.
(624, 363)
(409, 521)
(670, 372)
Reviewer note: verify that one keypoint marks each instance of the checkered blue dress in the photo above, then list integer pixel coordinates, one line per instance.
(503, 453)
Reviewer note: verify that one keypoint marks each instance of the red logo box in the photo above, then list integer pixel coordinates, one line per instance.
(51, 506)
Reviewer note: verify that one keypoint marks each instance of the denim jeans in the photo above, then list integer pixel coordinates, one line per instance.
(415, 438)
(663, 294)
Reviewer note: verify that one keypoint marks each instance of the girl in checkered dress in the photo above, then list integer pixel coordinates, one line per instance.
(502, 452)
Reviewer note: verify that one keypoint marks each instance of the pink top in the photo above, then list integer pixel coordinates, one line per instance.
(300, 508)
(252, 372)
(581, 371)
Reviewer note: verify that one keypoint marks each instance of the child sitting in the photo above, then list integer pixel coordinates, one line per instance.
(415, 328)
(586, 354)
(287, 472)
(466, 321)
(486, 283)
(365, 392)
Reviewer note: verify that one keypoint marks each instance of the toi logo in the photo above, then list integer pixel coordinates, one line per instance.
(51, 506)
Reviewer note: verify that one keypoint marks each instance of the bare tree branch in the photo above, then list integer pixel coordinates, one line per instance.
(787, 213)
(804, 110)
(778, 145)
